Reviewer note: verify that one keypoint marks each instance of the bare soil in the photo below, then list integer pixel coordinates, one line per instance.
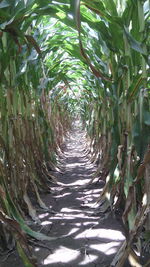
(85, 235)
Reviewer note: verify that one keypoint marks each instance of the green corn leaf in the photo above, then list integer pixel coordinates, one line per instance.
(137, 46)
(111, 7)
(146, 117)
(26, 260)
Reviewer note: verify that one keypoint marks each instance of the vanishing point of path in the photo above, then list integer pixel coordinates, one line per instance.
(87, 237)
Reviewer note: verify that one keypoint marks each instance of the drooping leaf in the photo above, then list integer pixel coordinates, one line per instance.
(137, 46)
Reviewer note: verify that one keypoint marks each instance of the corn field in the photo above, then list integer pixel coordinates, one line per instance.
(59, 60)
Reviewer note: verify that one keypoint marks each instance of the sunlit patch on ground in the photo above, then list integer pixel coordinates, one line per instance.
(75, 211)
(43, 215)
(46, 223)
(108, 248)
(62, 254)
(102, 233)
(78, 182)
(88, 259)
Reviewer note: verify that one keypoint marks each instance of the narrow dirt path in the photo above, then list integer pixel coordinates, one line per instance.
(92, 237)
(87, 237)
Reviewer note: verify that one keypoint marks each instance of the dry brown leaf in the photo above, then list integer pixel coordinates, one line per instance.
(2, 192)
(141, 169)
